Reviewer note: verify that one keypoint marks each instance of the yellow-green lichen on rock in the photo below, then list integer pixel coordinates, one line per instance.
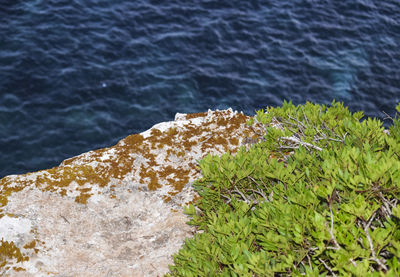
(116, 209)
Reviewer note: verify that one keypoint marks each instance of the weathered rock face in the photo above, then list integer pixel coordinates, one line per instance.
(115, 211)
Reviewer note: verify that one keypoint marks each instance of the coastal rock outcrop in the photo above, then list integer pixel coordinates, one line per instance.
(115, 211)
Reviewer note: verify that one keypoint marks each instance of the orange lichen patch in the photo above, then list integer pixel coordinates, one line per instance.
(151, 159)
(166, 198)
(136, 157)
(132, 140)
(63, 192)
(170, 151)
(194, 200)
(212, 141)
(171, 180)
(60, 177)
(178, 182)
(116, 169)
(183, 142)
(195, 131)
(4, 199)
(234, 141)
(189, 144)
(194, 115)
(70, 160)
(9, 251)
(159, 139)
(7, 187)
(155, 133)
(84, 196)
(152, 176)
(168, 170)
(173, 193)
(87, 157)
(32, 244)
(172, 131)
(193, 166)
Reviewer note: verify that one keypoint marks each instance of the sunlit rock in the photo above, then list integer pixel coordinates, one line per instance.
(115, 211)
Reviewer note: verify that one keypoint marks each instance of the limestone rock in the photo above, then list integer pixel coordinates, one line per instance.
(115, 211)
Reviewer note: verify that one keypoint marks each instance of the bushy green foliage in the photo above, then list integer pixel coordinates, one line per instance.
(319, 196)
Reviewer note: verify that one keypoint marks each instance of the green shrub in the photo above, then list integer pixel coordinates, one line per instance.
(317, 197)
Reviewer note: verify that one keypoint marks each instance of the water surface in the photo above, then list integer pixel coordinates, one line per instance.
(78, 75)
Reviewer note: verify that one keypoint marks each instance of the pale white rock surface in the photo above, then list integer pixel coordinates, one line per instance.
(115, 211)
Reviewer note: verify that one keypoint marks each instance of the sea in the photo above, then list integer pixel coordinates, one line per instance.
(78, 75)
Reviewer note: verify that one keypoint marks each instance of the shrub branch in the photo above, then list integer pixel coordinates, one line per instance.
(371, 246)
(297, 141)
(337, 246)
(327, 267)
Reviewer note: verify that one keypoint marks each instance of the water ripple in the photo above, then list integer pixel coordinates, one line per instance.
(78, 75)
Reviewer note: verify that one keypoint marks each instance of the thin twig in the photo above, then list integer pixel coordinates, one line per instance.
(291, 123)
(386, 203)
(261, 136)
(292, 139)
(318, 131)
(252, 179)
(387, 116)
(299, 122)
(337, 246)
(327, 267)
(66, 220)
(305, 117)
(321, 138)
(260, 193)
(309, 261)
(226, 197)
(276, 123)
(371, 246)
(271, 195)
(288, 147)
(198, 211)
(241, 194)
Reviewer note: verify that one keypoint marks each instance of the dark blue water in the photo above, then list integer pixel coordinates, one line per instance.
(77, 75)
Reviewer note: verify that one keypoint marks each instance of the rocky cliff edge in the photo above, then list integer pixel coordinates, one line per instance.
(115, 211)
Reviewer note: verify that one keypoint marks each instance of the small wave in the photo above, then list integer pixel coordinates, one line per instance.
(81, 74)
